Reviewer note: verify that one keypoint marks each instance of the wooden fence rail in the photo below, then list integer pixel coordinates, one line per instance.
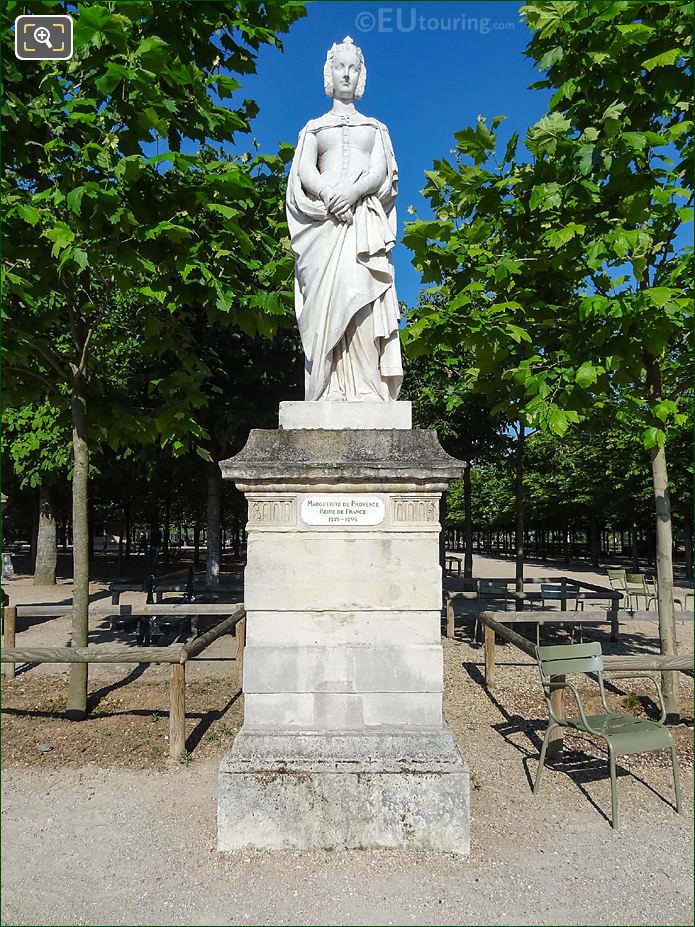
(177, 656)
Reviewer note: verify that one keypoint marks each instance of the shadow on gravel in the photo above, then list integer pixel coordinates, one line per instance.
(206, 722)
(577, 765)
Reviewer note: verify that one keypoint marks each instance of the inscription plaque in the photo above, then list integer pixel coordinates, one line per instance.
(338, 510)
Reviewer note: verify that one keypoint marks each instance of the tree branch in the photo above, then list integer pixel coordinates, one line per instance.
(49, 359)
(82, 366)
(27, 371)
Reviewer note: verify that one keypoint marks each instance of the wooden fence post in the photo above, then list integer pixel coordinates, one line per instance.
(556, 700)
(177, 711)
(240, 645)
(613, 613)
(489, 656)
(450, 618)
(9, 623)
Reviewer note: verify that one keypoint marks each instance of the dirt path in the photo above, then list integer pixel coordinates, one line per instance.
(94, 845)
(100, 830)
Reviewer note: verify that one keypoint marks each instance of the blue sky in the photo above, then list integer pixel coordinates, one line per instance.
(432, 67)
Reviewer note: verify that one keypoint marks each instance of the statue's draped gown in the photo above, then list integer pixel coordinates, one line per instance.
(345, 295)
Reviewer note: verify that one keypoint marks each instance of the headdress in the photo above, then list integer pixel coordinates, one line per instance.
(346, 45)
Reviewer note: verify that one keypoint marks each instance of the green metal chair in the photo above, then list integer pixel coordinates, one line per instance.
(495, 589)
(617, 578)
(624, 734)
(636, 588)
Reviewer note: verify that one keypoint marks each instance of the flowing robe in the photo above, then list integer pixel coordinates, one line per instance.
(345, 295)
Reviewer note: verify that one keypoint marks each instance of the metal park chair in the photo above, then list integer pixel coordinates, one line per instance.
(624, 734)
(653, 590)
(636, 588)
(495, 589)
(616, 577)
(554, 593)
(551, 592)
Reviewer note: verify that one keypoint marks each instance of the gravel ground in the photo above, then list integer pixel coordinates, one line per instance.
(105, 836)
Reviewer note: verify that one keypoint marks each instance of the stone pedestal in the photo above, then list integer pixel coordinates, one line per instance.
(343, 743)
(351, 415)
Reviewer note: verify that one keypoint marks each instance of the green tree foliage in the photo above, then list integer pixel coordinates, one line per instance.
(95, 218)
(576, 253)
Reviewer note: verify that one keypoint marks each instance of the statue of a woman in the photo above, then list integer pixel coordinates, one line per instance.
(341, 212)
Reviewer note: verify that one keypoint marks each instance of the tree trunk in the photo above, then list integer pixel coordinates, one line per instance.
(77, 690)
(121, 532)
(664, 549)
(34, 539)
(128, 530)
(196, 541)
(664, 572)
(635, 548)
(468, 523)
(237, 536)
(166, 539)
(46, 540)
(688, 532)
(594, 541)
(443, 512)
(519, 528)
(214, 532)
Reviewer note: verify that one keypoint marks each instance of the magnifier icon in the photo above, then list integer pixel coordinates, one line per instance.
(42, 35)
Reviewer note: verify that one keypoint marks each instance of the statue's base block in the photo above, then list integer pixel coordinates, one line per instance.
(346, 415)
(382, 789)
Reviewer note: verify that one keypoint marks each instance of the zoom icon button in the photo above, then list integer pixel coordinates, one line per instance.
(43, 38)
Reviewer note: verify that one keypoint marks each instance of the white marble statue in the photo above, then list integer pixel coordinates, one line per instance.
(341, 211)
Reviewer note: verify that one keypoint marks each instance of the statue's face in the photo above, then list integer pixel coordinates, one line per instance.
(345, 71)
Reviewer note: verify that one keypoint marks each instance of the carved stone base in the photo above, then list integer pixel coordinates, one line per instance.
(405, 789)
(343, 743)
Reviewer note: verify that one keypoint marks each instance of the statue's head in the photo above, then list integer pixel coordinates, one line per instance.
(344, 73)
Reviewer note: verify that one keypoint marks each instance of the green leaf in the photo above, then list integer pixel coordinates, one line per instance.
(545, 196)
(74, 199)
(80, 258)
(560, 237)
(662, 60)
(653, 437)
(61, 236)
(586, 375)
(510, 150)
(542, 138)
(612, 118)
(111, 78)
(476, 142)
(659, 296)
(227, 211)
(29, 213)
(518, 334)
(664, 410)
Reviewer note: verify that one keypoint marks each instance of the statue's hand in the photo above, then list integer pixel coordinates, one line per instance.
(325, 194)
(344, 195)
(344, 214)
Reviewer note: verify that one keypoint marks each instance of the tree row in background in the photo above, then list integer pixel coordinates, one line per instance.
(131, 233)
(563, 276)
